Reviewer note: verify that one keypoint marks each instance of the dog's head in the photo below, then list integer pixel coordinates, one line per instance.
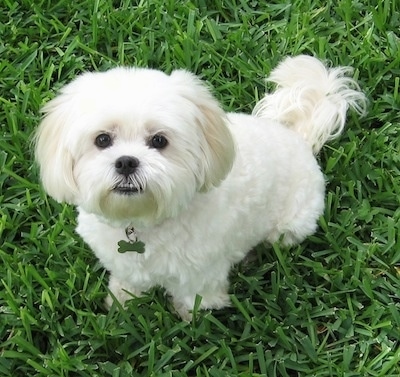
(133, 143)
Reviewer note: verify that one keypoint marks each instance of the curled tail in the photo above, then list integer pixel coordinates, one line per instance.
(311, 98)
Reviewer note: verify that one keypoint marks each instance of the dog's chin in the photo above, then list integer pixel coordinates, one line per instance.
(122, 205)
(129, 203)
(136, 201)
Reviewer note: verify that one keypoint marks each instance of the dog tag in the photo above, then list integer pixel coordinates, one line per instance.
(137, 246)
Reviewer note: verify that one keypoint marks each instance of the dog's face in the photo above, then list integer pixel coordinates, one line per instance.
(133, 143)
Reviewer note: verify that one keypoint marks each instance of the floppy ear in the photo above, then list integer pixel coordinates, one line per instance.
(219, 152)
(54, 158)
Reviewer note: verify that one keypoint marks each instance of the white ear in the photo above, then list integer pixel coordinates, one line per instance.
(54, 158)
(220, 152)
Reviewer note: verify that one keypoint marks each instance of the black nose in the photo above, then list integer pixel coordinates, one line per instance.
(126, 165)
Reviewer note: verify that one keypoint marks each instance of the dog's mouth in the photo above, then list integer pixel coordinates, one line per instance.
(127, 188)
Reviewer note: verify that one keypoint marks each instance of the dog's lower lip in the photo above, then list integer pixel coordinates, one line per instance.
(127, 189)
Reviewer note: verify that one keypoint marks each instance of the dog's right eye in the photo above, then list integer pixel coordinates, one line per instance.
(103, 141)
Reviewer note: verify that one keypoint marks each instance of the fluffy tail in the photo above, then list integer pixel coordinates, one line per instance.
(311, 98)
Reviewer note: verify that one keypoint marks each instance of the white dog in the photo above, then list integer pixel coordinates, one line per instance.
(158, 170)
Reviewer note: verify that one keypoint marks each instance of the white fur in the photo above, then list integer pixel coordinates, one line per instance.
(223, 184)
(312, 100)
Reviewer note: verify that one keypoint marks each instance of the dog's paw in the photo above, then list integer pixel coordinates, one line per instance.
(185, 305)
(183, 311)
(119, 292)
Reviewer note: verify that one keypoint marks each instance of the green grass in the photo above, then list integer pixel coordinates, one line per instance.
(329, 307)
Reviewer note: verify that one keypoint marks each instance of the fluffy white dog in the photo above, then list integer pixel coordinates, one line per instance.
(171, 191)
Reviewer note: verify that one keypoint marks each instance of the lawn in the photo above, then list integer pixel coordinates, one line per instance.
(328, 307)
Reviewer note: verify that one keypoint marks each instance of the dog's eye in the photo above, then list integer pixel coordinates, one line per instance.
(103, 141)
(158, 141)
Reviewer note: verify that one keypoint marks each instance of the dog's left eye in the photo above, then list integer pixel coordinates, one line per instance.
(158, 141)
(103, 141)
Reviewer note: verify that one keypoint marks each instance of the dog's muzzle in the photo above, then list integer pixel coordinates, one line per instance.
(126, 167)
